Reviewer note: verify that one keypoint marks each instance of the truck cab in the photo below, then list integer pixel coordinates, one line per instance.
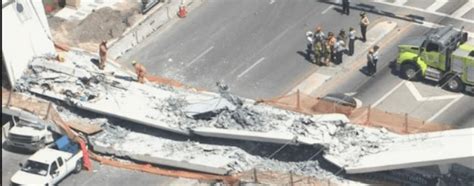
(443, 56)
(50, 165)
(27, 131)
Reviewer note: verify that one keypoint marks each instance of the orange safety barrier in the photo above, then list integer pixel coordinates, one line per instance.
(396, 122)
(182, 11)
(164, 172)
(85, 156)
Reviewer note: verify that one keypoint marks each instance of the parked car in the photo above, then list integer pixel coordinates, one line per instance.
(342, 99)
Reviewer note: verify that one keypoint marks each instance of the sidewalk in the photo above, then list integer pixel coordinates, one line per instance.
(119, 22)
(310, 85)
(144, 28)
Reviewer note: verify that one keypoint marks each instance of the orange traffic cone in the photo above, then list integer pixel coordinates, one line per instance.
(182, 11)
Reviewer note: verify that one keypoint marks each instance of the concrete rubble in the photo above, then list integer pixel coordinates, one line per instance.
(79, 83)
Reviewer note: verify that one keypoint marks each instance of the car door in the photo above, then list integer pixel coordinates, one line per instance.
(54, 172)
(61, 167)
(431, 54)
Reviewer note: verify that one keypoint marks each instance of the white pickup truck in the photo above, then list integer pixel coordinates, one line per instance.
(27, 131)
(50, 165)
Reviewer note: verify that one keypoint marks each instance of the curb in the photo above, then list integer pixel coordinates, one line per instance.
(346, 66)
(148, 25)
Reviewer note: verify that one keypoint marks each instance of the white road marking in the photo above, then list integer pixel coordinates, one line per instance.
(436, 5)
(435, 25)
(414, 91)
(423, 10)
(387, 94)
(272, 1)
(400, 2)
(250, 68)
(443, 109)
(327, 9)
(200, 55)
(464, 9)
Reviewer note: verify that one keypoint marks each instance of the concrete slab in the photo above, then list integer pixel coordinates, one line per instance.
(47, 93)
(129, 117)
(65, 68)
(435, 148)
(207, 107)
(309, 141)
(159, 160)
(339, 118)
(268, 137)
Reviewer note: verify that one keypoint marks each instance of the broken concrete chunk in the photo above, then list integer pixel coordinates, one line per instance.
(208, 109)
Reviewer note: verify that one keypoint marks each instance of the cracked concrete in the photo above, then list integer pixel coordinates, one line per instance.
(79, 83)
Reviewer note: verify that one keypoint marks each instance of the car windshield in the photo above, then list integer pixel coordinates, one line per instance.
(35, 167)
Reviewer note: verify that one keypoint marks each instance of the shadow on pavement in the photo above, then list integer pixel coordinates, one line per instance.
(372, 9)
(305, 55)
(364, 71)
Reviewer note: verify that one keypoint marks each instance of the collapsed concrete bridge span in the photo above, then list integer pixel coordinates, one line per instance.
(191, 113)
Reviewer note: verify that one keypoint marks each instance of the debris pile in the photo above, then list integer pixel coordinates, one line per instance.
(232, 159)
(80, 83)
(102, 24)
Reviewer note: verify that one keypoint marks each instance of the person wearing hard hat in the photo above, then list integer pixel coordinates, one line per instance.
(140, 70)
(318, 45)
(102, 54)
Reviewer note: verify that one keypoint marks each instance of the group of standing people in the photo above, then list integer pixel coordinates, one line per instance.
(324, 49)
(331, 48)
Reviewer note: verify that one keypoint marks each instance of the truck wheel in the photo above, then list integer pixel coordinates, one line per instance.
(454, 84)
(410, 72)
(78, 166)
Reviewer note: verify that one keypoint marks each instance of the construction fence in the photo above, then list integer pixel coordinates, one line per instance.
(278, 178)
(401, 123)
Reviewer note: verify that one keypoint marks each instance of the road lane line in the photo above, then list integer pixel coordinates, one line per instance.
(464, 9)
(400, 2)
(444, 109)
(436, 98)
(327, 9)
(435, 25)
(423, 10)
(250, 68)
(200, 55)
(435, 6)
(387, 94)
(414, 91)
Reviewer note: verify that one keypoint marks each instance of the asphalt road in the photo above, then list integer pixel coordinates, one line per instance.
(387, 92)
(254, 46)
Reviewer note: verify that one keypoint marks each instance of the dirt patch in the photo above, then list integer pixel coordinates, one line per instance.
(102, 24)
